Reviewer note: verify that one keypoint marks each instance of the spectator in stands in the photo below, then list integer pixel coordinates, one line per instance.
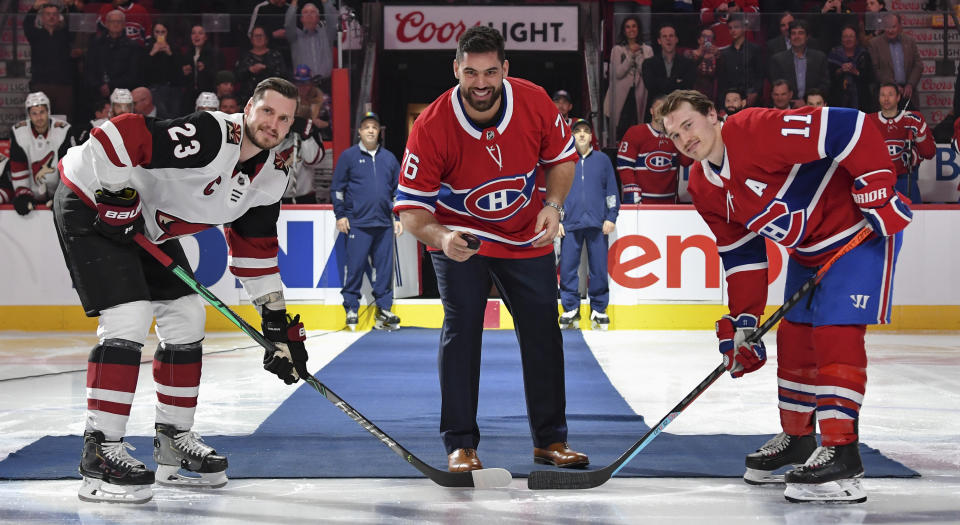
(269, 15)
(781, 94)
(162, 78)
(223, 83)
(312, 45)
(143, 102)
(896, 57)
(834, 15)
(908, 141)
(626, 78)
(780, 42)
(259, 63)
(667, 70)
(734, 100)
(230, 104)
(113, 60)
(640, 10)
(716, 13)
(199, 66)
(52, 69)
(738, 65)
(314, 105)
(564, 104)
(814, 98)
(802, 66)
(309, 153)
(871, 24)
(851, 73)
(704, 57)
(137, 20)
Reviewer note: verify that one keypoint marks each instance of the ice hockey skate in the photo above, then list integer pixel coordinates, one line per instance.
(599, 321)
(111, 474)
(184, 459)
(781, 451)
(352, 319)
(386, 320)
(570, 319)
(831, 475)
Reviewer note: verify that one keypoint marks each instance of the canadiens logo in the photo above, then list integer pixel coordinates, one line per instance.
(658, 161)
(42, 168)
(282, 160)
(500, 199)
(778, 223)
(174, 227)
(894, 147)
(233, 133)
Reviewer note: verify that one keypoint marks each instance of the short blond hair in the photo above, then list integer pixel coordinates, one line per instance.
(700, 102)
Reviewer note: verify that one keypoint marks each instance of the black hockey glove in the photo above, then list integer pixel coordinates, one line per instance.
(23, 201)
(118, 214)
(289, 360)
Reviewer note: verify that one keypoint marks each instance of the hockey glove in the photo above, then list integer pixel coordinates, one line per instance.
(739, 356)
(880, 204)
(289, 360)
(23, 201)
(118, 214)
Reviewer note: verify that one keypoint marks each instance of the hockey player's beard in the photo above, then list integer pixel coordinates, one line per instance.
(252, 136)
(481, 105)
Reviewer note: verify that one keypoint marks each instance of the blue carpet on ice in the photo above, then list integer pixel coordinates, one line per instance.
(391, 378)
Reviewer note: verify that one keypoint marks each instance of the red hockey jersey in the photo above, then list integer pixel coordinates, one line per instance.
(484, 181)
(786, 176)
(897, 131)
(647, 163)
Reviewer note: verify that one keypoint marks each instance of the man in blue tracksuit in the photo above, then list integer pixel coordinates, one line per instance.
(591, 214)
(364, 183)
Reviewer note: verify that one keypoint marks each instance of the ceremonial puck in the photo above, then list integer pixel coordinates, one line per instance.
(472, 241)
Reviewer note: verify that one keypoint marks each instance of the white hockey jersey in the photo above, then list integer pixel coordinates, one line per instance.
(34, 158)
(187, 173)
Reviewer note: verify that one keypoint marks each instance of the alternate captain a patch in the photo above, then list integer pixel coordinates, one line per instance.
(233, 132)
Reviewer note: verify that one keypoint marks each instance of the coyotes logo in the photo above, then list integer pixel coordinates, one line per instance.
(173, 226)
(42, 168)
(233, 133)
(282, 160)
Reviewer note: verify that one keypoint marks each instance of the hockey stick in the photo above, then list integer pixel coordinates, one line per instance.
(551, 479)
(483, 478)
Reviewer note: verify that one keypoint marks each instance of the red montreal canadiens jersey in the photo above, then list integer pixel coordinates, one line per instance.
(786, 176)
(647, 162)
(484, 181)
(898, 130)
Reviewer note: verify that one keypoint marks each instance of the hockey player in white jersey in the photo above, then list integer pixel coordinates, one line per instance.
(36, 145)
(168, 179)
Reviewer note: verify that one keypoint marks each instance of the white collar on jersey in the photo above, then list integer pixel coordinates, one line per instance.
(886, 120)
(468, 125)
(717, 178)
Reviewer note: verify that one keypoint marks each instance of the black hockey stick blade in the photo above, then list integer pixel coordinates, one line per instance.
(552, 479)
(483, 478)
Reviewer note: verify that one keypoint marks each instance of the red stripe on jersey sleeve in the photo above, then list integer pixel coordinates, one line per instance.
(137, 140)
(18, 167)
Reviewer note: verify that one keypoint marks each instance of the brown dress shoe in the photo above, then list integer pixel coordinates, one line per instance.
(463, 460)
(560, 455)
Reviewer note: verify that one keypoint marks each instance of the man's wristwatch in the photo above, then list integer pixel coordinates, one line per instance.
(557, 206)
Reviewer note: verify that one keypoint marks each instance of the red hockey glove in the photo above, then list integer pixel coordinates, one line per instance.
(289, 361)
(740, 357)
(880, 204)
(118, 214)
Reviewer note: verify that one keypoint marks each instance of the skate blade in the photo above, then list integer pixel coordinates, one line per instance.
(601, 327)
(96, 491)
(840, 491)
(386, 327)
(352, 327)
(762, 477)
(175, 476)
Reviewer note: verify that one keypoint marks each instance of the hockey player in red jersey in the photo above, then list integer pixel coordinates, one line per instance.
(648, 163)
(821, 175)
(168, 179)
(469, 175)
(907, 138)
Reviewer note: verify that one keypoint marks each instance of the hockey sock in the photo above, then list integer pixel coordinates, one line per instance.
(176, 372)
(841, 381)
(112, 370)
(796, 377)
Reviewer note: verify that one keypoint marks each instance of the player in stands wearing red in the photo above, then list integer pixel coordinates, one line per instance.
(168, 179)
(908, 141)
(648, 163)
(36, 146)
(820, 176)
(469, 174)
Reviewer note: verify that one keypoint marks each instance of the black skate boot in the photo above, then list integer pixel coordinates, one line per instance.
(184, 459)
(570, 319)
(386, 320)
(111, 474)
(831, 474)
(779, 452)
